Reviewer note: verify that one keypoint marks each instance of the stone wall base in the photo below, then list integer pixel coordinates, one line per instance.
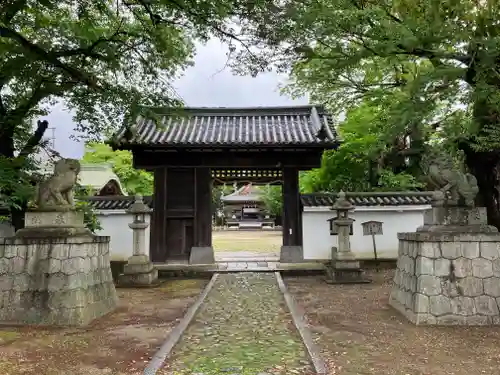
(202, 255)
(448, 278)
(291, 254)
(55, 281)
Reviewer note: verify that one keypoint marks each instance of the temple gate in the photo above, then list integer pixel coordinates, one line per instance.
(196, 147)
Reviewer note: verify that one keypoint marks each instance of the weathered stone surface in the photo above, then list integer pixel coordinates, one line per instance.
(442, 267)
(424, 266)
(470, 250)
(492, 287)
(490, 250)
(55, 281)
(486, 305)
(439, 305)
(482, 268)
(462, 267)
(470, 286)
(459, 286)
(451, 320)
(429, 285)
(428, 249)
(463, 306)
(421, 303)
(450, 250)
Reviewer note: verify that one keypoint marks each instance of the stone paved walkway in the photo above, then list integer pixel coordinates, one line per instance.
(246, 256)
(242, 328)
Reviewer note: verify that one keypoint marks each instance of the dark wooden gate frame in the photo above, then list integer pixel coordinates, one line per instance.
(183, 179)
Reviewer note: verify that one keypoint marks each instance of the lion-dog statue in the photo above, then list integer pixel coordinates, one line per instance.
(452, 182)
(57, 190)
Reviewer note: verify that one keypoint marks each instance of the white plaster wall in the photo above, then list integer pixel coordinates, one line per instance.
(114, 224)
(317, 241)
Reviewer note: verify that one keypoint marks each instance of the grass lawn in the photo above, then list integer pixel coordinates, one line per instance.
(259, 241)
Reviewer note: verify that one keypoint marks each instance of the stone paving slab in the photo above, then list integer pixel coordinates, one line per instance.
(242, 328)
(242, 266)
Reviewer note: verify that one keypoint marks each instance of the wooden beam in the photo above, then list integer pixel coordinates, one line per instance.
(225, 159)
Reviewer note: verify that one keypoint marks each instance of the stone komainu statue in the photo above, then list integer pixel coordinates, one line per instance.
(57, 190)
(451, 181)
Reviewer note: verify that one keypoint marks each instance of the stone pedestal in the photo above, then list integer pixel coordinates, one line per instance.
(456, 220)
(50, 277)
(449, 273)
(139, 271)
(344, 269)
(202, 255)
(52, 224)
(291, 254)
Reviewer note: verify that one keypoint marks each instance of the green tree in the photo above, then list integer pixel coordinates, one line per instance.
(273, 199)
(425, 57)
(363, 162)
(135, 181)
(104, 59)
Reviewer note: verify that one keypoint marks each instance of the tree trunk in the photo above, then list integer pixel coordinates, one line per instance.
(7, 151)
(484, 166)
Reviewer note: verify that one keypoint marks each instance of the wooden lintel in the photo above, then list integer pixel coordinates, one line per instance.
(300, 160)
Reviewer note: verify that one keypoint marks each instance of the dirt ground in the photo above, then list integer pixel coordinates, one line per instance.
(120, 343)
(360, 334)
(264, 241)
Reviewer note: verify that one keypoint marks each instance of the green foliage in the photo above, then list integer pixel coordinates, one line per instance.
(104, 60)
(15, 187)
(90, 219)
(134, 181)
(428, 66)
(273, 199)
(348, 168)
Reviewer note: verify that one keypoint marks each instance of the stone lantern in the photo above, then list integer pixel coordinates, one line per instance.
(139, 270)
(344, 268)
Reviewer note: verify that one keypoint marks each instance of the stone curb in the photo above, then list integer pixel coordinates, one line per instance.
(298, 316)
(174, 336)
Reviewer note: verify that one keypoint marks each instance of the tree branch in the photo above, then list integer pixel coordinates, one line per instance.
(89, 51)
(430, 54)
(43, 90)
(48, 57)
(34, 140)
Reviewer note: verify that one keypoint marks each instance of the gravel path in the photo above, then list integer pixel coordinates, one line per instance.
(242, 328)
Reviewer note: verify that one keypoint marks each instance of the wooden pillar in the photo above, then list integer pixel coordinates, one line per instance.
(202, 251)
(203, 210)
(292, 229)
(159, 218)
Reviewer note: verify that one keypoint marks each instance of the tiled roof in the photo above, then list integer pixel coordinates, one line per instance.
(369, 199)
(118, 202)
(247, 193)
(308, 200)
(299, 125)
(97, 176)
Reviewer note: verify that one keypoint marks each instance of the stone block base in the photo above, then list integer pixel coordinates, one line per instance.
(202, 255)
(448, 278)
(139, 271)
(291, 254)
(55, 281)
(345, 275)
(139, 279)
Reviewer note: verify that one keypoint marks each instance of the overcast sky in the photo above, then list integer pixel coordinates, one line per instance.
(206, 84)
